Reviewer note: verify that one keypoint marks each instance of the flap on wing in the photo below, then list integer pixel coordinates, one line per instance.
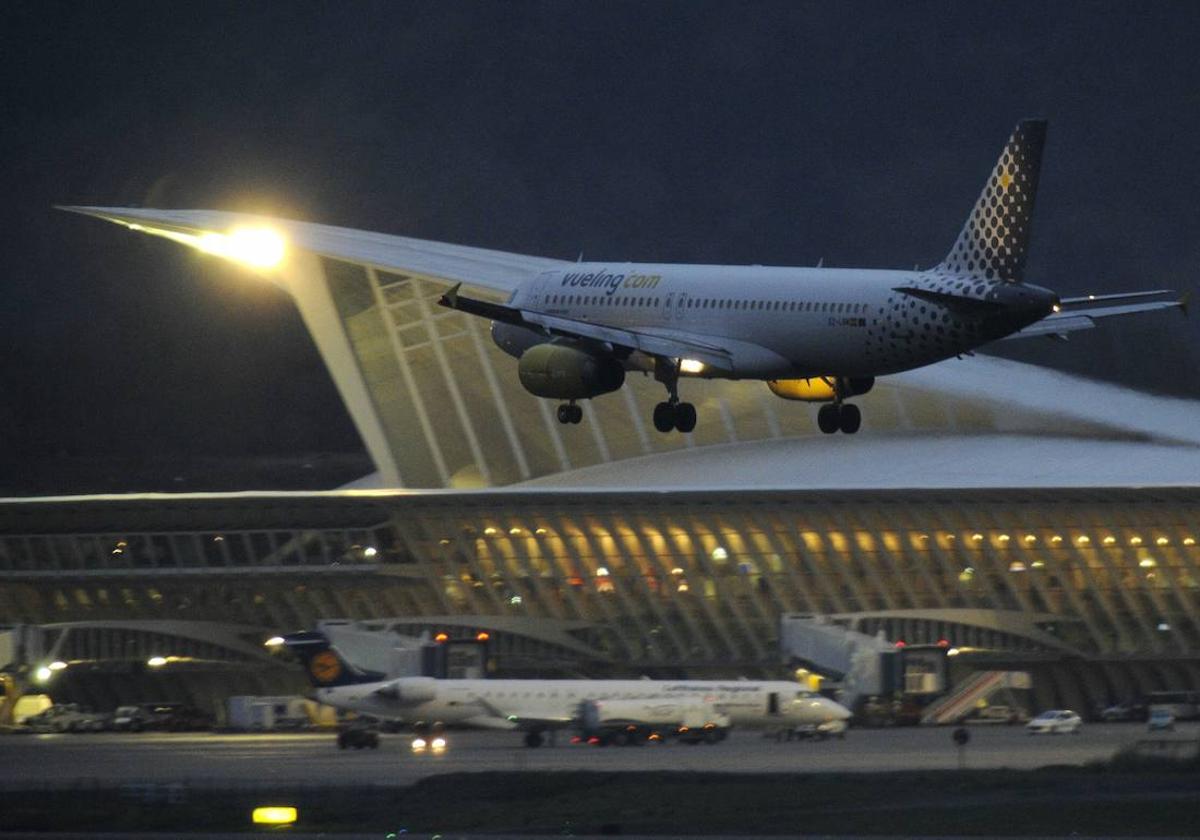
(498, 271)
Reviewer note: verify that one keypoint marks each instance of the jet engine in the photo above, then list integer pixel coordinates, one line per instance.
(564, 372)
(819, 388)
(411, 691)
(515, 340)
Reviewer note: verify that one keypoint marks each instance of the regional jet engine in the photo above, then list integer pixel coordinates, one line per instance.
(411, 691)
(564, 372)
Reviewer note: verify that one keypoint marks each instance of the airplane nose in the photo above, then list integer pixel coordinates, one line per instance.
(837, 710)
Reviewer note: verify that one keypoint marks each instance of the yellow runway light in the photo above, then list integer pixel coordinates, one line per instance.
(274, 815)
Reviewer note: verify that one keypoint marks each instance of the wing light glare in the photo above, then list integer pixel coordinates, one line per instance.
(691, 366)
(256, 247)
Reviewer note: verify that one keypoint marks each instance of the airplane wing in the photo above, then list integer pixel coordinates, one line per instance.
(1081, 313)
(497, 719)
(653, 342)
(496, 271)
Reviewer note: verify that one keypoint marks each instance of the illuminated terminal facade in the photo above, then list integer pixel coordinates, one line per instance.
(1029, 518)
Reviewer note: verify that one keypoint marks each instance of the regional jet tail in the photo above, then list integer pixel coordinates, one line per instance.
(535, 707)
(810, 334)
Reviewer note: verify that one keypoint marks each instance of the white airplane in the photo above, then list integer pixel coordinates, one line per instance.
(537, 706)
(812, 334)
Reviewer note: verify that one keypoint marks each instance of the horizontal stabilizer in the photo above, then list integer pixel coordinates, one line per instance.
(1073, 320)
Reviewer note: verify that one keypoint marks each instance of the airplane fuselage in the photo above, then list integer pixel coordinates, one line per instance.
(783, 323)
(512, 704)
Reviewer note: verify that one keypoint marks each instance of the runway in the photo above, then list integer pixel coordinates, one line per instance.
(37, 760)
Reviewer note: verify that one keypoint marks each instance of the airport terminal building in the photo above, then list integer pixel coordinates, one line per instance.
(1029, 519)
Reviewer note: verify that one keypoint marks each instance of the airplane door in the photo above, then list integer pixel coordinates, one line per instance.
(680, 305)
(538, 290)
(667, 301)
(773, 703)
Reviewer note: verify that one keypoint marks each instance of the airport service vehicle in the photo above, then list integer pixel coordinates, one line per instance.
(358, 737)
(634, 722)
(1055, 722)
(819, 335)
(537, 706)
(1161, 719)
(814, 731)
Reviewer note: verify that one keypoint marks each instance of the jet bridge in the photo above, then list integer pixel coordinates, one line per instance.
(865, 665)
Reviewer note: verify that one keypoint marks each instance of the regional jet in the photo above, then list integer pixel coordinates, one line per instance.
(811, 334)
(537, 706)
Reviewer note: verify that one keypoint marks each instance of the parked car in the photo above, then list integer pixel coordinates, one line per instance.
(169, 717)
(130, 719)
(1161, 719)
(68, 717)
(1010, 715)
(1055, 722)
(1120, 712)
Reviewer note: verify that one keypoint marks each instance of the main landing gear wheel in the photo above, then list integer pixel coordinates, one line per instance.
(569, 413)
(533, 739)
(681, 416)
(832, 417)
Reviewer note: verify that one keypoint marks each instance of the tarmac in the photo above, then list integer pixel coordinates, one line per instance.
(52, 760)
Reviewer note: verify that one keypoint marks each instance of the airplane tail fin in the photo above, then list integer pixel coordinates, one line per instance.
(995, 240)
(323, 664)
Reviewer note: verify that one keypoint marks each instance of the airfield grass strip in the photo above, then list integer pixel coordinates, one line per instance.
(1013, 803)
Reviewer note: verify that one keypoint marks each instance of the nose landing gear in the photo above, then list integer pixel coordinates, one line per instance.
(839, 416)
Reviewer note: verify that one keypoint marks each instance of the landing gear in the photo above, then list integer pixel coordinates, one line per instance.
(533, 739)
(834, 416)
(675, 415)
(569, 413)
(672, 414)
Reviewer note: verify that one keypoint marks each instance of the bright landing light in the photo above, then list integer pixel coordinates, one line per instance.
(691, 366)
(255, 247)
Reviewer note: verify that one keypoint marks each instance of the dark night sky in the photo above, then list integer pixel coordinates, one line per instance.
(692, 132)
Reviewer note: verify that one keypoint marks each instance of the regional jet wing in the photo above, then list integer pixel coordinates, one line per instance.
(668, 343)
(1079, 313)
(496, 271)
(516, 721)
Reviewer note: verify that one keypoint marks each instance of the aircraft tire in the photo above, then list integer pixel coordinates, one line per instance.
(533, 739)
(828, 419)
(664, 417)
(850, 419)
(685, 417)
(576, 414)
(564, 414)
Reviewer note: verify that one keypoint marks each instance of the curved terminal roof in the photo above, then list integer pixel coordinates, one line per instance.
(916, 461)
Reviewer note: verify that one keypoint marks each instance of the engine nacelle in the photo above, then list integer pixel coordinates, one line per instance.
(562, 372)
(515, 340)
(412, 691)
(819, 388)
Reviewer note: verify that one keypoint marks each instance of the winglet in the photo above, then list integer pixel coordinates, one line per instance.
(1185, 301)
(450, 299)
